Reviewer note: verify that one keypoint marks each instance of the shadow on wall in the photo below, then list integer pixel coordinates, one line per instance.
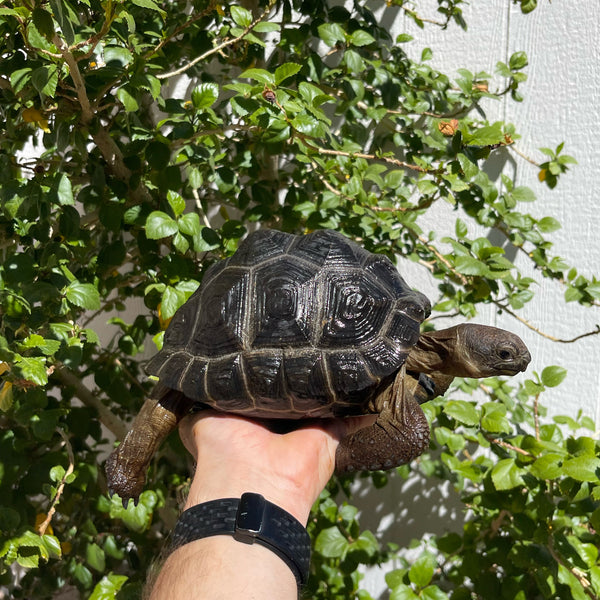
(408, 509)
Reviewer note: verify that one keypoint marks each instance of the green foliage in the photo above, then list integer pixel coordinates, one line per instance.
(117, 194)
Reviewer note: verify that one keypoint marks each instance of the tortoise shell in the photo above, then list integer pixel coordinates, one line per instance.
(292, 327)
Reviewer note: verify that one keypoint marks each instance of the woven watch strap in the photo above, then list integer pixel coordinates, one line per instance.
(251, 519)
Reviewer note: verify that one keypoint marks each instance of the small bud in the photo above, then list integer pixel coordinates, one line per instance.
(269, 95)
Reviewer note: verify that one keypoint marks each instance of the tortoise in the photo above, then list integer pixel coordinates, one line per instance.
(312, 326)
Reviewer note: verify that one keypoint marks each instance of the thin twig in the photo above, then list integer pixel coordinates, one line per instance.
(523, 156)
(200, 209)
(464, 280)
(61, 486)
(189, 21)
(583, 581)
(508, 446)
(386, 159)
(220, 47)
(540, 332)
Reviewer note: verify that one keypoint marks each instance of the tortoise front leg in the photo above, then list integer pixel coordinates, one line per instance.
(127, 465)
(400, 434)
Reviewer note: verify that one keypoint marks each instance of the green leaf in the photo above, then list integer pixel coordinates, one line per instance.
(494, 418)
(65, 191)
(331, 543)
(486, 136)
(331, 33)
(45, 80)
(582, 468)
(241, 16)
(160, 225)
(506, 475)
(84, 295)
(467, 265)
(523, 194)
(403, 592)
(176, 202)
(33, 369)
(528, 5)
(462, 411)
(259, 75)
(189, 224)
(548, 466)
(205, 95)
(548, 224)
(518, 61)
(20, 78)
(266, 27)
(60, 10)
(286, 70)
(172, 299)
(433, 592)
(566, 577)
(43, 22)
(95, 557)
(108, 587)
(151, 5)
(127, 100)
(553, 376)
(361, 38)
(421, 571)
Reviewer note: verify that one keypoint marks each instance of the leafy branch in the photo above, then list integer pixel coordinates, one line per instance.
(230, 42)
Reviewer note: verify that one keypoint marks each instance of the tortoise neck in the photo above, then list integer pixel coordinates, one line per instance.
(435, 352)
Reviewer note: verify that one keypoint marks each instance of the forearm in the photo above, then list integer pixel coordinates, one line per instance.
(235, 456)
(220, 567)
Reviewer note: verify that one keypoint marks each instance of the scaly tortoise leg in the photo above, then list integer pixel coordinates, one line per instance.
(400, 434)
(127, 465)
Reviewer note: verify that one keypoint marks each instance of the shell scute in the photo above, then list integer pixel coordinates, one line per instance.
(225, 384)
(306, 378)
(193, 384)
(349, 375)
(264, 374)
(384, 357)
(354, 309)
(284, 303)
(328, 247)
(220, 328)
(260, 246)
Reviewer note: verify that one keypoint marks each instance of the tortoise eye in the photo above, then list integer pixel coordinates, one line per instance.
(505, 354)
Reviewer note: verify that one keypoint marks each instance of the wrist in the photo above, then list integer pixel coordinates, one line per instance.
(214, 484)
(250, 520)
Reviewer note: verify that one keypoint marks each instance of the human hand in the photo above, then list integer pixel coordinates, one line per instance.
(236, 455)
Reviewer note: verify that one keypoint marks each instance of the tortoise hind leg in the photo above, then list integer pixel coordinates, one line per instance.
(127, 465)
(400, 433)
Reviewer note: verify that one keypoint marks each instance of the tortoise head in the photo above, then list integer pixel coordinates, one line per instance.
(488, 351)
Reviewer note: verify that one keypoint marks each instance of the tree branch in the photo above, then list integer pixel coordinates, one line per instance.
(221, 46)
(386, 159)
(107, 418)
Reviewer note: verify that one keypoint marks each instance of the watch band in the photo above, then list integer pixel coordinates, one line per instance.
(249, 519)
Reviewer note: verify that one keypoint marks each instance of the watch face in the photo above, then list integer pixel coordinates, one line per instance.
(250, 516)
